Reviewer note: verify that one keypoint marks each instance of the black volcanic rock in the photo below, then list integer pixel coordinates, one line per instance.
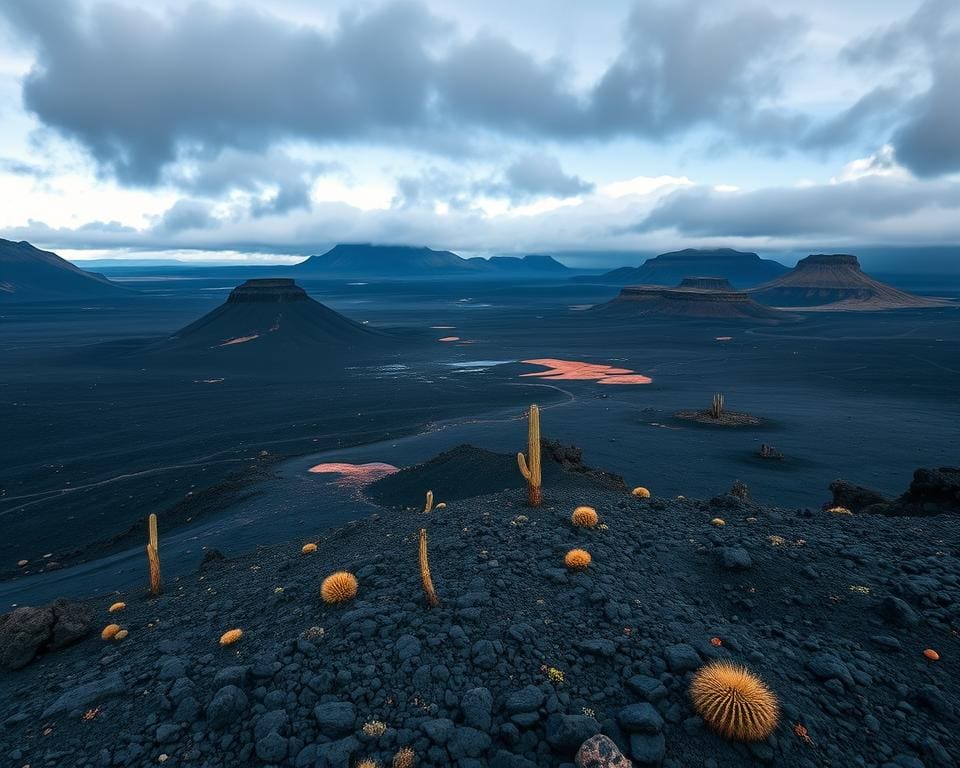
(29, 274)
(271, 322)
(837, 282)
(399, 261)
(690, 301)
(742, 269)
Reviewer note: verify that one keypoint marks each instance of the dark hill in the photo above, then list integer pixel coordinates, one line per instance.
(522, 659)
(29, 274)
(399, 261)
(835, 280)
(271, 322)
(690, 301)
(740, 268)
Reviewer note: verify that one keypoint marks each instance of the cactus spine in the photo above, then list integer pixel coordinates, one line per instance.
(153, 557)
(716, 408)
(425, 577)
(530, 464)
(429, 505)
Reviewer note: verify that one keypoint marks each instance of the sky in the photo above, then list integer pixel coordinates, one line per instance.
(234, 131)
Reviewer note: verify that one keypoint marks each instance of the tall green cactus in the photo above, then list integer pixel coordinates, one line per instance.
(530, 467)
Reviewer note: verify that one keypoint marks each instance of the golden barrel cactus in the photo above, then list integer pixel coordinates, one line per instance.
(405, 758)
(577, 559)
(338, 587)
(308, 548)
(734, 702)
(640, 492)
(117, 607)
(109, 631)
(584, 517)
(230, 636)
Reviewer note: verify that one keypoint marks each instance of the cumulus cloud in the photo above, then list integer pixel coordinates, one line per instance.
(186, 214)
(857, 208)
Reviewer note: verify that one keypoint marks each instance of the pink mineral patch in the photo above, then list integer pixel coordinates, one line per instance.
(575, 370)
(355, 474)
(240, 340)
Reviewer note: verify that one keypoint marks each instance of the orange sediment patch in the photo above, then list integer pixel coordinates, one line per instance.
(355, 474)
(239, 340)
(449, 338)
(574, 370)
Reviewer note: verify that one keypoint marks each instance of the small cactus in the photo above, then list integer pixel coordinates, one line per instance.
(405, 758)
(116, 607)
(584, 517)
(121, 635)
(740, 490)
(734, 702)
(338, 587)
(530, 464)
(428, 506)
(839, 511)
(718, 522)
(308, 548)
(230, 637)
(153, 556)
(577, 559)
(640, 492)
(425, 578)
(716, 407)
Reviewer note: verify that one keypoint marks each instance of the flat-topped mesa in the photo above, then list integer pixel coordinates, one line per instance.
(273, 290)
(690, 301)
(835, 281)
(707, 283)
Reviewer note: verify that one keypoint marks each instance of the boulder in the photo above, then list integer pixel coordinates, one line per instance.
(600, 752)
(27, 632)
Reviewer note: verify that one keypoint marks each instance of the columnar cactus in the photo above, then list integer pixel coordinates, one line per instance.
(425, 577)
(716, 408)
(153, 557)
(530, 464)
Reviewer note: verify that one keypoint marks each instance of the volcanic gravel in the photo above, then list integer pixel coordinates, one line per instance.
(523, 660)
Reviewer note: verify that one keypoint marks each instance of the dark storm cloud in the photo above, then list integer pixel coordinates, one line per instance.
(136, 89)
(536, 175)
(186, 214)
(832, 209)
(140, 90)
(926, 44)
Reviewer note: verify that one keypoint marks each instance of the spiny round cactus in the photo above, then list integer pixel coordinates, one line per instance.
(405, 758)
(368, 762)
(584, 517)
(338, 587)
(109, 631)
(577, 559)
(117, 607)
(641, 492)
(839, 511)
(719, 522)
(121, 635)
(734, 702)
(308, 548)
(230, 636)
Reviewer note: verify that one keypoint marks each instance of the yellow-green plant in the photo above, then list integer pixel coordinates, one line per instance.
(734, 702)
(530, 464)
(153, 556)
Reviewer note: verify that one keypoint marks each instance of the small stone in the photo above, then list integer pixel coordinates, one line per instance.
(600, 752)
(681, 657)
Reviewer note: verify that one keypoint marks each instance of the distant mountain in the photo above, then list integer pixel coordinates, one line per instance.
(741, 268)
(400, 261)
(835, 281)
(29, 274)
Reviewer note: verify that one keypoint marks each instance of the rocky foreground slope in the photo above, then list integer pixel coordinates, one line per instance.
(523, 660)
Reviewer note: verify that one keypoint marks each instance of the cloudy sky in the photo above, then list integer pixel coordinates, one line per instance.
(226, 130)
